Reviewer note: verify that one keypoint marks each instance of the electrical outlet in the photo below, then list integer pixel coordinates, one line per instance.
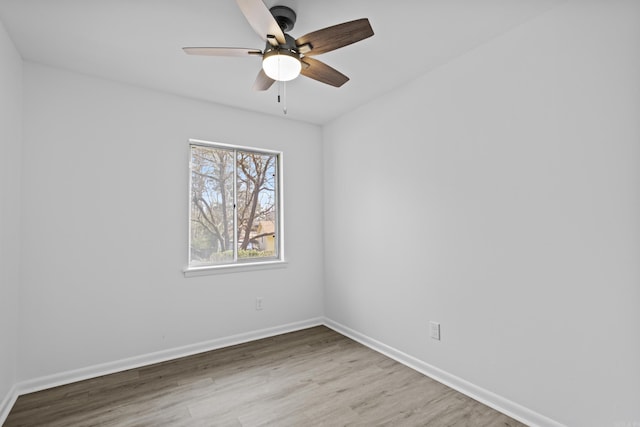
(435, 330)
(258, 303)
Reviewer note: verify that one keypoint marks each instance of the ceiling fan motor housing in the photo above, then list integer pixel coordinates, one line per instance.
(289, 44)
(285, 17)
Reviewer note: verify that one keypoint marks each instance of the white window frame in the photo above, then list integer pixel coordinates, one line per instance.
(240, 265)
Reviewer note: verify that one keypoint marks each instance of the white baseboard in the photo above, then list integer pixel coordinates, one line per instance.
(499, 403)
(486, 397)
(68, 377)
(7, 403)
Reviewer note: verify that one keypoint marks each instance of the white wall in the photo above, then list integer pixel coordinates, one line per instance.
(10, 158)
(500, 196)
(105, 205)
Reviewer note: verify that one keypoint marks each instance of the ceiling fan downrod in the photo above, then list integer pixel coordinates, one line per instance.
(285, 17)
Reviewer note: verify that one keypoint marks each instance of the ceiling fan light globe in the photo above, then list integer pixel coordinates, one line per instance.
(282, 65)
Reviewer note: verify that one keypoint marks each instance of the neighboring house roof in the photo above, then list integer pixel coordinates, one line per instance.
(266, 227)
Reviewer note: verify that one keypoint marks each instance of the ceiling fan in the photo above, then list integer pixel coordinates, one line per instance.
(284, 58)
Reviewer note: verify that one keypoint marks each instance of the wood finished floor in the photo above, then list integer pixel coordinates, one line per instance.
(314, 377)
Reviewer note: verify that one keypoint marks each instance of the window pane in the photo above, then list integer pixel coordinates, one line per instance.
(257, 205)
(211, 240)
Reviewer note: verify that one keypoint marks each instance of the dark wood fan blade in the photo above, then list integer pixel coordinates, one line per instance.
(261, 20)
(221, 51)
(334, 37)
(263, 82)
(321, 72)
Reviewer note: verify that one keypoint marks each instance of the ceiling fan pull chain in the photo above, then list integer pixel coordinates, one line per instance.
(282, 86)
(284, 95)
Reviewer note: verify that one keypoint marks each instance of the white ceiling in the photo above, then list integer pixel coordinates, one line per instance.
(139, 42)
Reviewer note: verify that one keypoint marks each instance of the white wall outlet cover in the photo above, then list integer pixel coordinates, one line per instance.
(435, 330)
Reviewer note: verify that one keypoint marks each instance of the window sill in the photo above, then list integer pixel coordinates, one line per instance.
(233, 268)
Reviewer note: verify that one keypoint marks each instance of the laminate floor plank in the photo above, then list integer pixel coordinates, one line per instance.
(314, 377)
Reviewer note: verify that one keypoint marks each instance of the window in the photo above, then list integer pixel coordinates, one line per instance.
(235, 206)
